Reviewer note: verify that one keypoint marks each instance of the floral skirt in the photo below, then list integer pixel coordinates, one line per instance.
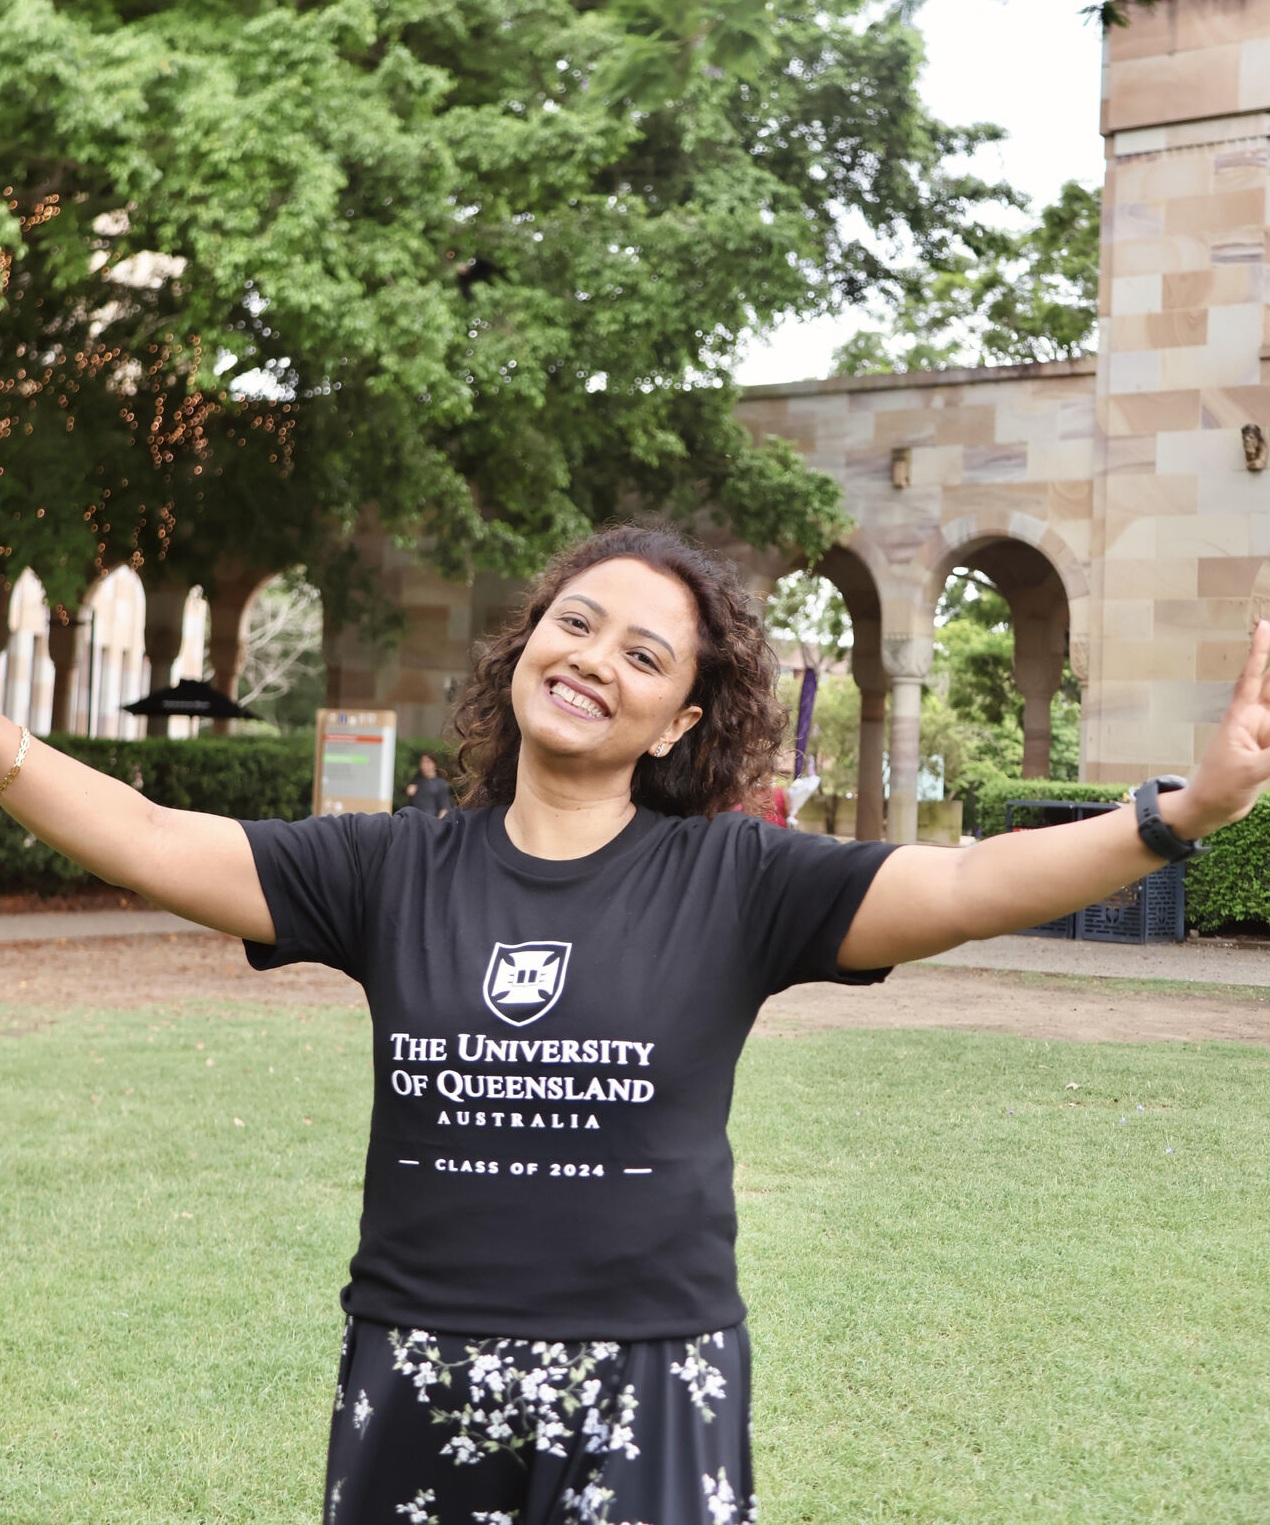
(443, 1429)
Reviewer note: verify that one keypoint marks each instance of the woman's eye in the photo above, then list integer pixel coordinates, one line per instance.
(645, 659)
(573, 621)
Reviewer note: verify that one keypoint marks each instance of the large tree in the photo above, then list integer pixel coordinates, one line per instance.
(479, 265)
(1016, 297)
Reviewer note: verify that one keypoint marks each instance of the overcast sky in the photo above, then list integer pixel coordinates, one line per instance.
(1033, 66)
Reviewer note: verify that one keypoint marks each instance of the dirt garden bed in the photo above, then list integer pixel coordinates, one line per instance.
(40, 979)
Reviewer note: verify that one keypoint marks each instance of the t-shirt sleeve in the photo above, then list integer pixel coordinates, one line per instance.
(802, 893)
(318, 876)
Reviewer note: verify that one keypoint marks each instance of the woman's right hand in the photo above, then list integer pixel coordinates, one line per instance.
(199, 866)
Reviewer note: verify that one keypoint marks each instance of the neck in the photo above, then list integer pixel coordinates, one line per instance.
(548, 818)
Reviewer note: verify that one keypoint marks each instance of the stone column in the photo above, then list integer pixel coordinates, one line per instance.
(226, 608)
(165, 620)
(64, 654)
(870, 678)
(1038, 671)
(907, 659)
(870, 809)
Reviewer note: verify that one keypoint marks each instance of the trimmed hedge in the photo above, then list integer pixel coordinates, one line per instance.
(996, 794)
(1227, 889)
(246, 777)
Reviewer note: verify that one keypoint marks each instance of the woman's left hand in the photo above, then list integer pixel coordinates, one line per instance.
(1235, 767)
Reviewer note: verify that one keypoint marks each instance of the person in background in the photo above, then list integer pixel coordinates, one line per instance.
(427, 790)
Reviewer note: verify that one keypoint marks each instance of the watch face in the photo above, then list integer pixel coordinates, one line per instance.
(1167, 782)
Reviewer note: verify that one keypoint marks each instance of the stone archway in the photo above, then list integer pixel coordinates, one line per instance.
(276, 641)
(1047, 589)
(1038, 613)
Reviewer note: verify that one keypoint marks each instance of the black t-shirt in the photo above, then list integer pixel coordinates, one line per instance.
(554, 1048)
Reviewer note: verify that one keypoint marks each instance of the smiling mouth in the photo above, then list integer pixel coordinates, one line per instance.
(576, 701)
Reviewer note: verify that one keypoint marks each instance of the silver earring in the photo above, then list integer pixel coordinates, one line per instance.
(660, 749)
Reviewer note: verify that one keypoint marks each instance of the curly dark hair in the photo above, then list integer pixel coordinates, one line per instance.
(725, 760)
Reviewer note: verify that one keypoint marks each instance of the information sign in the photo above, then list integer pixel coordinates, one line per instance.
(356, 754)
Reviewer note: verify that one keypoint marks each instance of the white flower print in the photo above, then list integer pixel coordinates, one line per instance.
(463, 1449)
(520, 1394)
(333, 1502)
(416, 1511)
(590, 1506)
(494, 1517)
(704, 1380)
(721, 1501)
(362, 1411)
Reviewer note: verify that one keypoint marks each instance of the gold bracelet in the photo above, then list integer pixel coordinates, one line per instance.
(24, 741)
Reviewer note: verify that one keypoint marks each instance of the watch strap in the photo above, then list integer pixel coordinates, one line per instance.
(1156, 833)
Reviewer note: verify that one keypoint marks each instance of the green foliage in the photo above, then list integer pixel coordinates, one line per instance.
(1109, 13)
(995, 794)
(972, 713)
(807, 608)
(1011, 298)
(1229, 885)
(478, 268)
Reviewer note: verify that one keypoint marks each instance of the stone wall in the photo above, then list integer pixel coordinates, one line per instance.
(1183, 527)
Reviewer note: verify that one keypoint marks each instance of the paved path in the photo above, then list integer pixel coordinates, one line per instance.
(1204, 962)
(42, 926)
(1219, 963)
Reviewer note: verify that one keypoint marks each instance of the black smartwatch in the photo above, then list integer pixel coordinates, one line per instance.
(1154, 830)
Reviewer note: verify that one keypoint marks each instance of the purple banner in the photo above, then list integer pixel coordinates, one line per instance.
(806, 703)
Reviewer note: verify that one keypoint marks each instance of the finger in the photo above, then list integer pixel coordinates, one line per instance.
(1249, 683)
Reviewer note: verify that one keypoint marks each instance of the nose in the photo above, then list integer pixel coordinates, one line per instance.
(594, 658)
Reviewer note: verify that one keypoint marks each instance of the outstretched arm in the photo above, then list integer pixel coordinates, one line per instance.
(199, 866)
(926, 899)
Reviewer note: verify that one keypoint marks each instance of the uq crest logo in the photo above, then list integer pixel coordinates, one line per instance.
(524, 980)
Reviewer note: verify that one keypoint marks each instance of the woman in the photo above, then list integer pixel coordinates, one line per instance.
(543, 1320)
(427, 790)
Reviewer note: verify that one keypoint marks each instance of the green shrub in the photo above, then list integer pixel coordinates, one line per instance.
(996, 793)
(1230, 886)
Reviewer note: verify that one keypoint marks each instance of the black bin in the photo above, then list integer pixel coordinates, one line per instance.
(1150, 910)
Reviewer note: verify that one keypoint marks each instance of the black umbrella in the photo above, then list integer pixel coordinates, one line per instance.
(190, 698)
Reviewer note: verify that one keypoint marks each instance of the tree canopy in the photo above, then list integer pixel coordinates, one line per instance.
(479, 266)
(1015, 297)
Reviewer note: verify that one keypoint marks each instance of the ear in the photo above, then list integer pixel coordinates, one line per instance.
(682, 723)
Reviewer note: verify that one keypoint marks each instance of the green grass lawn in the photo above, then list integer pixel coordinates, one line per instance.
(976, 1293)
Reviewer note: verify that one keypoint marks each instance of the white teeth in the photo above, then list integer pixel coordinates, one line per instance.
(578, 701)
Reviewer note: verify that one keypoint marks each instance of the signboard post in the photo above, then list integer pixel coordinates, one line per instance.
(356, 756)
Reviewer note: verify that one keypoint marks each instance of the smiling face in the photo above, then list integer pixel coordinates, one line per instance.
(606, 673)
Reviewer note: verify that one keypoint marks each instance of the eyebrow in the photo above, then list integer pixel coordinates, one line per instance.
(650, 635)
